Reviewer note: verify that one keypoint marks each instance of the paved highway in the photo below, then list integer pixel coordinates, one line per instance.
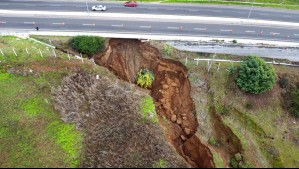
(150, 8)
(59, 16)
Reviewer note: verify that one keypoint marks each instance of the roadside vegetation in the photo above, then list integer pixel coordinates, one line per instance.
(88, 45)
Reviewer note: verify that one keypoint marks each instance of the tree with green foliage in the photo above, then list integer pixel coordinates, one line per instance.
(145, 78)
(255, 76)
(88, 45)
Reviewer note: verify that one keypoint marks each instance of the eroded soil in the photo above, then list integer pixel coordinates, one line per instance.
(170, 90)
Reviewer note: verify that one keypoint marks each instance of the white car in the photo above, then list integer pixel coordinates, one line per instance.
(99, 8)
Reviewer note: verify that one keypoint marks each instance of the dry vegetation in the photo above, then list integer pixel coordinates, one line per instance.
(116, 135)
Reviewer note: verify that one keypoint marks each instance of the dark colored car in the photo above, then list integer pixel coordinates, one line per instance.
(131, 4)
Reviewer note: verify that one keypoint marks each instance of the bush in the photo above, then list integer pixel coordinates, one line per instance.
(234, 41)
(293, 102)
(88, 45)
(145, 78)
(223, 110)
(249, 106)
(232, 70)
(255, 76)
(283, 82)
(212, 141)
(168, 49)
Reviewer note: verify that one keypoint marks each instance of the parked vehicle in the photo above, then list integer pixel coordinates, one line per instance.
(99, 8)
(131, 4)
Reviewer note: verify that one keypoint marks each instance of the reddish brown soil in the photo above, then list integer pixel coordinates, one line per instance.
(170, 90)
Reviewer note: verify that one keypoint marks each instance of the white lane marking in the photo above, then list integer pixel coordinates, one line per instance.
(91, 24)
(263, 14)
(173, 27)
(62, 23)
(200, 29)
(29, 23)
(2, 22)
(273, 33)
(117, 25)
(226, 30)
(250, 31)
(296, 34)
(145, 26)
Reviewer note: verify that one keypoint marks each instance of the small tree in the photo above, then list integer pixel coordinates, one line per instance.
(88, 45)
(145, 78)
(256, 76)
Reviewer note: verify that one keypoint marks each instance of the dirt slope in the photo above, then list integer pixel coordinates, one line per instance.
(170, 90)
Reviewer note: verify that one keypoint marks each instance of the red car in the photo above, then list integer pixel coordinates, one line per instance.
(131, 4)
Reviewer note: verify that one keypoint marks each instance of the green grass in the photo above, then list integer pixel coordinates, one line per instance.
(68, 139)
(147, 108)
(161, 164)
(260, 123)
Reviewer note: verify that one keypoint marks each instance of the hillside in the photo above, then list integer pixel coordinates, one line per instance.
(60, 110)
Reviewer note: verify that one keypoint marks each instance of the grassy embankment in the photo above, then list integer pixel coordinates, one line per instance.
(31, 133)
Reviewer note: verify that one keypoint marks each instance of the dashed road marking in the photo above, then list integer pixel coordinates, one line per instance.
(145, 26)
(2, 22)
(226, 30)
(62, 23)
(296, 34)
(273, 33)
(32, 23)
(201, 29)
(89, 24)
(173, 27)
(117, 25)
(250, 31)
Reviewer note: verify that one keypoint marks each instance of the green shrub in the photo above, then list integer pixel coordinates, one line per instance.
(145, 78)
(212, 141)
(238, 157)
(234, 41)
(88, 45)
(232, 70)
(234, 163)
(223, 110)
(283, 82)
(168, 50)
(255, 76)
(249, 106)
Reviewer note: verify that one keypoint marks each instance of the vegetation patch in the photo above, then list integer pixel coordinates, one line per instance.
(33, 107)
(145, 78)
(255, 76)
(68, 139)
(147, 108)
(88, 45)
(161, 164)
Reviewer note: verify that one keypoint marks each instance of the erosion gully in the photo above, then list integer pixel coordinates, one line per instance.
(170, 91)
